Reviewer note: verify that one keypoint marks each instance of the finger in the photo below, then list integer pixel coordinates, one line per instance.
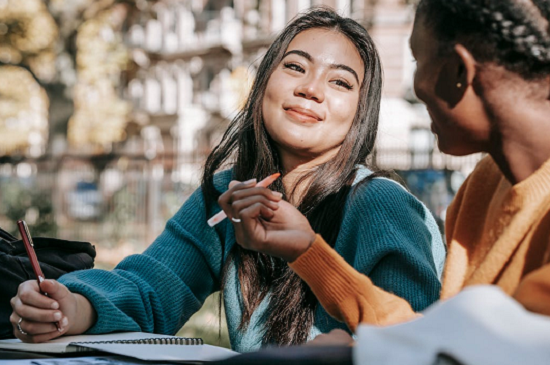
(265, 192)
(37, 328)
(29, 294)
(233, 183)
(254, 229)
(249, 230)
(241, 204)
(39, 337)
(55, 289)
(36, 314)
(236, 185)
(256, 211)
(225, 199)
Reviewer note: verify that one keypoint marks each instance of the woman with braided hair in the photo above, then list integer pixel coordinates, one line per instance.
(483, 71)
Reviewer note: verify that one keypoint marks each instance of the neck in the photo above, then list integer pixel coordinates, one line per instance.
(523, 146)
(295, 167)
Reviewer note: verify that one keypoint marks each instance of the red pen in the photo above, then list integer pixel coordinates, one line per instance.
(29, 247)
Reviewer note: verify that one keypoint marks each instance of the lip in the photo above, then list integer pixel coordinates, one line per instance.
(302, 114)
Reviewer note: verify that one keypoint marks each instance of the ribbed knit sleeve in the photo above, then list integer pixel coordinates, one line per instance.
(159, 290)
(395, 268)
(346, 294)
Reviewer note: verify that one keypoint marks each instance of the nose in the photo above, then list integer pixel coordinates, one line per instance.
(311, 88)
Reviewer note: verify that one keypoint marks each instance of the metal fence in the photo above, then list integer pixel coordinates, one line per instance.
(121, 203)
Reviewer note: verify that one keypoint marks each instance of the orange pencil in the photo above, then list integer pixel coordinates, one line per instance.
(218, 217)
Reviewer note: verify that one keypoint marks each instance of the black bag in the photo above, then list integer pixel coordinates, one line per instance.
(56, 257)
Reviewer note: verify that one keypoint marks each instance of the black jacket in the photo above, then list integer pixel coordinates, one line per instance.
(56, 257)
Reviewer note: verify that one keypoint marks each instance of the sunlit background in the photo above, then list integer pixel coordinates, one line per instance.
(108, 109)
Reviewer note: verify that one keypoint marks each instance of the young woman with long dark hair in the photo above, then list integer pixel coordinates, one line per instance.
(312, 115)
(484, 75)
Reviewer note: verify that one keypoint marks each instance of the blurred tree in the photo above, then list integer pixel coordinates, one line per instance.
(28, 35)
(27, 38)
(20, 201)
(100, 114)
(23, 112)
(74, 50)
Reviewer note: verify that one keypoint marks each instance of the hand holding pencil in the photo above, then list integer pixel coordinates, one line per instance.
(46, 309)
(266, 223)
(29, 247)
(36, 313)
(217, 218)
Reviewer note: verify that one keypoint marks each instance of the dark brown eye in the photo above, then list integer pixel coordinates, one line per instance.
(294, 67)
(343, 84)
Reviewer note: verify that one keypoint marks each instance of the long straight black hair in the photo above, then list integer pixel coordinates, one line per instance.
(292, 305)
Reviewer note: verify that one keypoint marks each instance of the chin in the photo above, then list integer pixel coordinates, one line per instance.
(454, 149)
(298, 148)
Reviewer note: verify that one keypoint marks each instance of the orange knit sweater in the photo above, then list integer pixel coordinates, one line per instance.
(497, 233)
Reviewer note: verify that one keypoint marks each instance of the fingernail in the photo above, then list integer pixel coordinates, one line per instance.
(277, 194)
(55, 305)
(57, 316)
(64, 322)
(251, 181)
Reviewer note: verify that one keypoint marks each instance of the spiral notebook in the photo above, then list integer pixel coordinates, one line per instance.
(139, 345)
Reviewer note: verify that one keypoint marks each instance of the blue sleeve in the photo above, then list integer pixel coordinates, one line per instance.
(157, 291)
(400, 247)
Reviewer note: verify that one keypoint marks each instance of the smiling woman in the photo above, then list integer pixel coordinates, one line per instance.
(312, 115)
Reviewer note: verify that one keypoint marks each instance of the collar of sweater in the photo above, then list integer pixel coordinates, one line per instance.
(534, 189)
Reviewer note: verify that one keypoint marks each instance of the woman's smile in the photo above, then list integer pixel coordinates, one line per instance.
(302, 115)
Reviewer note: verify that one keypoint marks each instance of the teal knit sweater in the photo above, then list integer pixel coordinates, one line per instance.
(386, 234)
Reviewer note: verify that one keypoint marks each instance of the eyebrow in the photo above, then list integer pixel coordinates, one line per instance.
(308, 57)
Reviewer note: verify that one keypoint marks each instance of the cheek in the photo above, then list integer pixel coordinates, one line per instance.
(270, 93)
(420, 86)
(424, 83)
(277, 84)
(269, 101)
(343, 109)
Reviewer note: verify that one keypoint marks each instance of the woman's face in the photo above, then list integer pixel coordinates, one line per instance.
(312, 95)
(454, 107)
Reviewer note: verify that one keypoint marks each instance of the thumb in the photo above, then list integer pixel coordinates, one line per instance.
(54, 289)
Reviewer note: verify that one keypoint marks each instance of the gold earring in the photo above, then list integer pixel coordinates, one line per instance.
(459, 85)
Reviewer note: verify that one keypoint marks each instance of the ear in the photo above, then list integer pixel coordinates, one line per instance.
(467, 71)
(456, 75)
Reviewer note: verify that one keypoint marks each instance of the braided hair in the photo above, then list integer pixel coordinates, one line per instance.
(512, 33)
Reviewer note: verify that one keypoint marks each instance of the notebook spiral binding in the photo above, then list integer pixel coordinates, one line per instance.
(151, 341)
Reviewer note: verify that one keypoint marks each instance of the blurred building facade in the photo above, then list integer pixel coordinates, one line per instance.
(195, 60)
(154, 84)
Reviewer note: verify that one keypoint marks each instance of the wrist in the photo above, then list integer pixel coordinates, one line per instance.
(305, 244)
(85, 315)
